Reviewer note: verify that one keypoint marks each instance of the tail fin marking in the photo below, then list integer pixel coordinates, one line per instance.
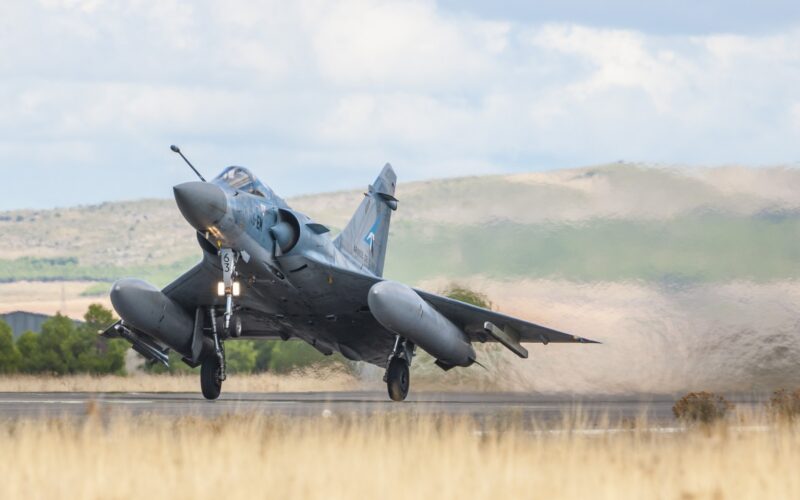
(365, 236)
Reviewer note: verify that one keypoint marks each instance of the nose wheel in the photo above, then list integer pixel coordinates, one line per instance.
(210, 380)
(212, 369)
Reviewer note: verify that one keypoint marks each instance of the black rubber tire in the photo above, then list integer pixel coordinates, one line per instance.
(210, 383)
(398, 379)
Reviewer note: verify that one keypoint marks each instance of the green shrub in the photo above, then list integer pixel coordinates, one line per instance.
(176, 366)
(464, 294)
(285, 356)
(256, 356)
(701, 407)
(9, 354)
(62, 347)
(28, 347)
(264, 353)
(97, 290)
(240, 356)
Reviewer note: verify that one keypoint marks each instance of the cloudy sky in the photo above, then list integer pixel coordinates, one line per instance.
(316, 96)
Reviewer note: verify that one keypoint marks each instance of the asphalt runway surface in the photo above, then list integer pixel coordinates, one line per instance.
(529, 407)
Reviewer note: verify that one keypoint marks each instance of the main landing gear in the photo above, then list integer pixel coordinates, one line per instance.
(397, 377)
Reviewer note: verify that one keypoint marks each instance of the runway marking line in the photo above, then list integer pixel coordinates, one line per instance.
(71, 401)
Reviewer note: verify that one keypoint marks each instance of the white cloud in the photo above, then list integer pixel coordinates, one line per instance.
(314, 86)
(619, 59)
(363, 43)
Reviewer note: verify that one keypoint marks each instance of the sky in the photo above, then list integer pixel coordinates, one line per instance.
(316, 96)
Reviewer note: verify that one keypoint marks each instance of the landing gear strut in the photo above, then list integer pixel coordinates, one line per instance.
(212, 371)
(397, 377)
(228, 260)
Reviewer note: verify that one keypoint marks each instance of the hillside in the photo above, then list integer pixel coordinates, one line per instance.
(610, 222)
(690, 278)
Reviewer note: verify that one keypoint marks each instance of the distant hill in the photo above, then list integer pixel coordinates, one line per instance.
(610, 222)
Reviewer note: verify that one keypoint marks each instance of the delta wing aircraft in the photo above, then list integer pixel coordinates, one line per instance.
(270, 272)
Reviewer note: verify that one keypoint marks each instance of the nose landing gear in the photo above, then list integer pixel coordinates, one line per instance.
(230, 288)
(212, 371)
(210, 380)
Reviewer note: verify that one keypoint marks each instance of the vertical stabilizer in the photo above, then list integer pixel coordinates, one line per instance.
(366, 235)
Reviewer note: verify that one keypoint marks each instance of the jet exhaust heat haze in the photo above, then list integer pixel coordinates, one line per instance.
(270, 272)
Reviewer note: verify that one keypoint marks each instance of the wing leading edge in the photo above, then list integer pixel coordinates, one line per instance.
(481, 325)
(477, 322)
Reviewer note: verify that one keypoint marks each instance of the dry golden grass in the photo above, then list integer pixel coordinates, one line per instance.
(312, 380)
(397, 456)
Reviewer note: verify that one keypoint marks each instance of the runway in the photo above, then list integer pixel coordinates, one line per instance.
(528, 407)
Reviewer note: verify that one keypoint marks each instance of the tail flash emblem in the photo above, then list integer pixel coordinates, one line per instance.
(370, 237)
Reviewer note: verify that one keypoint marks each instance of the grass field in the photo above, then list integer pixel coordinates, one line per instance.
(265, 382)
(397, 456)
(49, 297)
(313, 378)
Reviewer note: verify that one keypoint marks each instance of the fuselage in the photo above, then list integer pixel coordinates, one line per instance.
(255, 221)
(271, 272)
(286, 260)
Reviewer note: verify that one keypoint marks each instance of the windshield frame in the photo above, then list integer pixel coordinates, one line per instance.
(240, 179)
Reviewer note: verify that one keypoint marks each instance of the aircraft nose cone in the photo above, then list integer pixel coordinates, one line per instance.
(201, 203)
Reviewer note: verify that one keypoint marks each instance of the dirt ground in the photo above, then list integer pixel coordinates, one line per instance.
(49, 297)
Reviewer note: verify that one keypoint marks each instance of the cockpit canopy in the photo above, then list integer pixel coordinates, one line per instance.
(242, 179)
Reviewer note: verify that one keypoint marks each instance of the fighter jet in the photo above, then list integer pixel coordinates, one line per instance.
(270, 272)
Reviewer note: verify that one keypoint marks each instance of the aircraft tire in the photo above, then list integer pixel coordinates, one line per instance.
(398, 379)
(210, 383)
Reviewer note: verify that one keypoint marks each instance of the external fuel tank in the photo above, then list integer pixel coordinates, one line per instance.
(400, 310)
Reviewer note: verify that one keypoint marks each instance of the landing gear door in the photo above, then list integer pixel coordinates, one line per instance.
(227, 260)
(197, 338)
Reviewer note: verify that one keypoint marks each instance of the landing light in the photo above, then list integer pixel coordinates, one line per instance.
(236, 289)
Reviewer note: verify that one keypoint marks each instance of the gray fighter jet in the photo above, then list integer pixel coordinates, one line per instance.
(270, 272)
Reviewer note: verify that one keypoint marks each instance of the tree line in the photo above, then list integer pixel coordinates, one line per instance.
(64, 348)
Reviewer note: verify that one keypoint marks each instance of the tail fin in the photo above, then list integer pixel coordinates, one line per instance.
(366, 235)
